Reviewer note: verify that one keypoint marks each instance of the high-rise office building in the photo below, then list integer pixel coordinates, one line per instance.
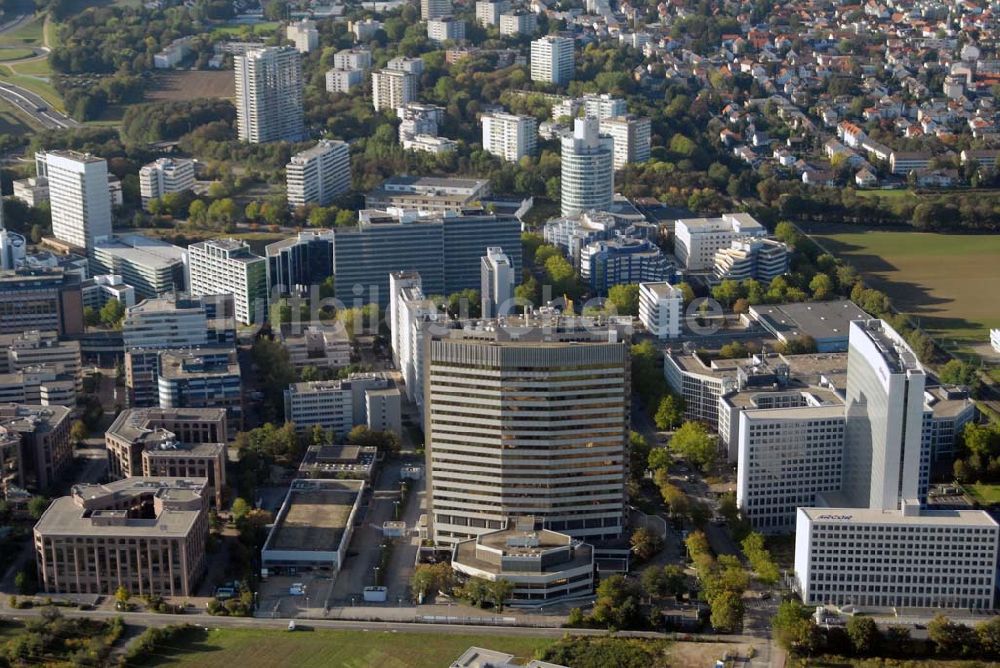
(432, 9)
(631, 137)
(491, 458)
(78, 195)
(297, 264)
(269, 95)
(509, 136)
(498, 281)
(588, 173)
(319, 175)
(552, 59)
(165, 175)
(409, 310)
(228, 267)
(392, 89)
(445, 250)
(660, 309)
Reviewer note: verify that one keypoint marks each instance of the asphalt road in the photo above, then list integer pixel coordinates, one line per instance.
(32, 104)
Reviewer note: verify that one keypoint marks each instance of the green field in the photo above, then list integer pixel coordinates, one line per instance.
(248, 648)
(888, 195)
(13, 121)
(263, 28)
(27, 34)
(947, 282)
(15, 53)
(984, 493)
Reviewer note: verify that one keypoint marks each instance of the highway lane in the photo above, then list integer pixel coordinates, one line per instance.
(33, 104)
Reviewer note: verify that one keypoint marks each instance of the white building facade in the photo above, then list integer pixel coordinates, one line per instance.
(588, 174)
(661, 309)
(269, 95)
(320, 174)
(509, 136)
(552, 59)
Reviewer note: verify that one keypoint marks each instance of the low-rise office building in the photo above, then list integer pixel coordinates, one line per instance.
(40, 299)
(338, 461)
(340, 405)
(827, 323)
(541, 565)
(174, 439)
(197, 379)
(696, 240)
(313, 528)
(42, 386)
(320, 347)
(164, 176)
(428, 193)
(147, 535)
(151, 266)
(752, 257)
(44, 449)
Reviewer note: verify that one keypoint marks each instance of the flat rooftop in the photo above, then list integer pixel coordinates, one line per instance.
(144, 251)
(314, 515)
(820, 320)
(964, 518)
(140, 424)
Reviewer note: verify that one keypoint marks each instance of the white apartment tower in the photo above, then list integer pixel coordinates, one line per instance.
(78, 194)
(661, 309)
(433, 9)
(509, 136)
(163, 176)
(488, 12)
(498, 279)
(227, 267)
(269, 95)
(632, 138)
(552, 59)
(409, 314)
(603, 106)
(319, 175)
(445, 28)
(304, 34)
(392, 89)
(588, 173)
(526, 418)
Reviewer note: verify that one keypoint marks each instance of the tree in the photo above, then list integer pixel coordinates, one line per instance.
(793, 626)
(500, 590)
(727, 292)
(112, 312)
(989, 637)
(122, 596)
(625, 298)
(864, 635)
(22, 583)
(952, 639)
(669, 412)
(692, 442)
(822, 287)
(645, 544)
(676, 500)
(91, 317)
(239, 509)
(727, 612)
(37, 507)
(659, 458)
(78, 432)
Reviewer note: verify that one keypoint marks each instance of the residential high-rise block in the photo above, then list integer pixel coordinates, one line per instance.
(552, 59)
(661, 309)
(409, 311)
(521, 22)
(432, 9)
(526, 417)
(319, 175)
(588, 174)
(631, 137)
(304, 34)
(78, 195)
(269, 95)
(509, 136)
(603, 106)
(445, 28)
(392, 89)
(498, 281)
(228, 267)
(165, 175)
(488, 12)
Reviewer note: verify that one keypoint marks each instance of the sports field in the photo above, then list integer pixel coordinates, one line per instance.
(252, 648)
(949, 282)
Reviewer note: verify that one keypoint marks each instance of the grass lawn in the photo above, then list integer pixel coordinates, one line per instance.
(27, 34)
(13, 121)
(250, 648)
(15, 53)
(887, 195)
(984, 493)
(263, 28)
(42, 88)
(939, 279)
(34, 68)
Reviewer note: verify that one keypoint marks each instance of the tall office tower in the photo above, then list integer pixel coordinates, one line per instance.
(509, 136)
(40, 299)
(603, 106)
(432, 9)
(409, 310)
(295, 265)
(588, 173)
(165, 175)
(552, 59)
(392, 89)
(320, 174)
(269, 95)
(885, 408)
(526, 417)
(488, 12)
(631, 136)
(498, 281)
(446, 250)
(78, 195)
(227, 266)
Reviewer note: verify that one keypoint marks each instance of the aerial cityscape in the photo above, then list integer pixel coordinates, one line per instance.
(499, 333)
